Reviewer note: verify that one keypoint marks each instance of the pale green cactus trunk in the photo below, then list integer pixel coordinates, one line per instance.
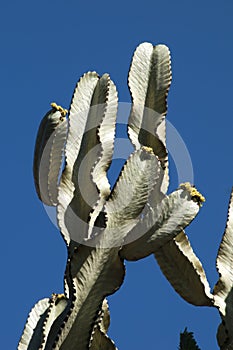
(102, 227)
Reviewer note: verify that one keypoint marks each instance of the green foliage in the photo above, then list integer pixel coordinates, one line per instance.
(187, 341)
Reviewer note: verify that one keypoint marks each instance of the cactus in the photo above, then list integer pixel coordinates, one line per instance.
(102, 227)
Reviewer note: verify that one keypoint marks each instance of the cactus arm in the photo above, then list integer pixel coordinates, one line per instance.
(130, 194)
(184, 271)
(88, 148)
(58, 304)
(149, 81)
(223, 290)
(76, 126)
(224, 262)
(101, 274)
(39, 322)
(104, 319)
(171, 247)
(162, 224)
(106, 135)
(48, 154)
(99, 338)
(32, 336)
(101, 341)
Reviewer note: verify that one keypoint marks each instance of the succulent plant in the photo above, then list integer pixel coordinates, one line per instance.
(102, 227)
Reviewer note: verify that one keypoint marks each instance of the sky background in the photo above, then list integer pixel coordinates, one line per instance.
(45, 47)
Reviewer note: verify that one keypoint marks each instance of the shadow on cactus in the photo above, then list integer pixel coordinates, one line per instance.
(102, 227)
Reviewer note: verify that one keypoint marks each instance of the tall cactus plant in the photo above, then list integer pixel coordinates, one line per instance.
(102, 227)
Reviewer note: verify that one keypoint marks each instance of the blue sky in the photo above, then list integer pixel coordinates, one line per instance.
(45, 47)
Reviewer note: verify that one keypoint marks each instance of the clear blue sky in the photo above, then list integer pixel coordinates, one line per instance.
(45, 47)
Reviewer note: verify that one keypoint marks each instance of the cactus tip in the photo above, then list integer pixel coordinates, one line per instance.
(59, 108)
(196, 196)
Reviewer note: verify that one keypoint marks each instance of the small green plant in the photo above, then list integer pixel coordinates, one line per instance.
(187, 342)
